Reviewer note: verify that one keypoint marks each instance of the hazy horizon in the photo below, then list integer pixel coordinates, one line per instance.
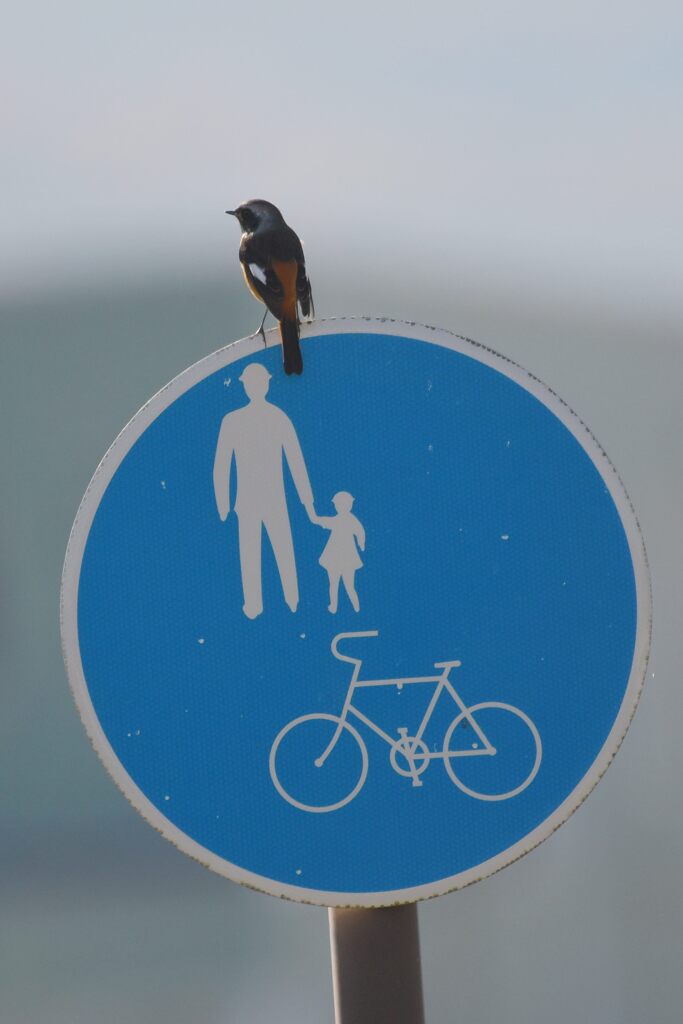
(534, 147)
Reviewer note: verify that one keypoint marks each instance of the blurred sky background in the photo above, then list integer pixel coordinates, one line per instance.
(511, 172)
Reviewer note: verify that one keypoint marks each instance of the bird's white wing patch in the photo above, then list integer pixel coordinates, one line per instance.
(258, 272)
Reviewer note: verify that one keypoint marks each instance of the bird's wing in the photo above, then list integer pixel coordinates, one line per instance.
(264, 286)
(274, 268)
(260, 274)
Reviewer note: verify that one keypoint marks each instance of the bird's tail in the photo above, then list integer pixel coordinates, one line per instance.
(291, 353)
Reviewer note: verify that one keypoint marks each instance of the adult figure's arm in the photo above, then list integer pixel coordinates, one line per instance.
(297, 467)
(221, 467)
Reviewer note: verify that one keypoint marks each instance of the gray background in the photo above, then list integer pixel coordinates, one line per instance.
(510, 172)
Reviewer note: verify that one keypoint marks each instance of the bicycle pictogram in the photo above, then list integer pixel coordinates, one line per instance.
(321, 744)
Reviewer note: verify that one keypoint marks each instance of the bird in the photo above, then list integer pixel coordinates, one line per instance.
(274, 268)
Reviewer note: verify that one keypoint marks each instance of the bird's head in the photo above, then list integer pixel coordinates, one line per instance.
(256, 213)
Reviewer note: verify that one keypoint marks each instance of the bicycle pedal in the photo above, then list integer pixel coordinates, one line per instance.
(417, 782)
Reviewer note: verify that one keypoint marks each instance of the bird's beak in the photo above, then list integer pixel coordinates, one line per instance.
(233, 213)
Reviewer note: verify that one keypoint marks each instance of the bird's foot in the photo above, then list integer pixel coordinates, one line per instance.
(261, 331)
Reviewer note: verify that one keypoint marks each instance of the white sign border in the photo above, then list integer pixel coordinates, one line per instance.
(88, 509)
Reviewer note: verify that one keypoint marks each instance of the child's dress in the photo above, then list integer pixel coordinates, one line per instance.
(340, 554)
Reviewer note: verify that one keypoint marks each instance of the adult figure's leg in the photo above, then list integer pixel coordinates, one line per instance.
(279, 531)
(250, 563)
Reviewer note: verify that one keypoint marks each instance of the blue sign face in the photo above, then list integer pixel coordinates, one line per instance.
(362, 636)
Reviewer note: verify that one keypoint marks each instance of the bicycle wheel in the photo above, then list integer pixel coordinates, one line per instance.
(300, 775)
(501, 766)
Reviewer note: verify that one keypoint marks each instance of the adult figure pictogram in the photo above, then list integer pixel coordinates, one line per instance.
(259, 437)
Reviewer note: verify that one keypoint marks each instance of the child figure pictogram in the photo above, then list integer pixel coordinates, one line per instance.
(340, 557)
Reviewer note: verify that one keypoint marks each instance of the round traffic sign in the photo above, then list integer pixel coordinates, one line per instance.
(360, 637)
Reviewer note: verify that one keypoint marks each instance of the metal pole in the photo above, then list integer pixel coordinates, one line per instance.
(376, 966)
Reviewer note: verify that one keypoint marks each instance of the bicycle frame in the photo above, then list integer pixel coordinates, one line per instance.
(409, 745)
(409, 755)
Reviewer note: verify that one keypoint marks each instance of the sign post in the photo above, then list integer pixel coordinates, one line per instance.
(361, 637)
(376, 965)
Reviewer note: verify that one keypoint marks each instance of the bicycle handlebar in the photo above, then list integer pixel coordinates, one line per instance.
(347, 636)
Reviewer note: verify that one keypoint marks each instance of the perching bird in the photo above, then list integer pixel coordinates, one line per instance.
(275, 271)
